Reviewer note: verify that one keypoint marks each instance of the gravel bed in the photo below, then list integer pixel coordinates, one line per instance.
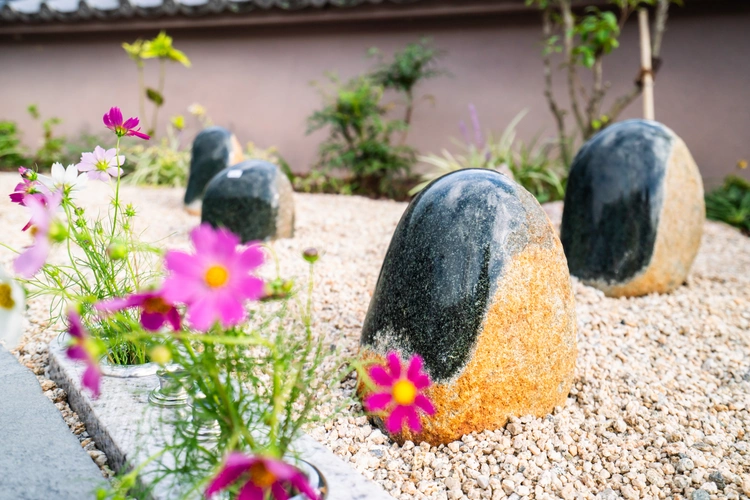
(660, 406)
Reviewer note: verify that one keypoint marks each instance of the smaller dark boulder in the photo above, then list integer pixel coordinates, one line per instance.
(214, 149)
(253, 199)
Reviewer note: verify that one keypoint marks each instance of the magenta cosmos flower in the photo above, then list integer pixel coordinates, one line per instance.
(42, 221)
(215, 281)
(259, 475)
(29, 185)
(402, 395)
(100, 164)
(155, 310)
(114, 121)
(83, 348)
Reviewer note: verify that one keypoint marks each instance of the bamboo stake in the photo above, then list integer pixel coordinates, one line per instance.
(646, 70)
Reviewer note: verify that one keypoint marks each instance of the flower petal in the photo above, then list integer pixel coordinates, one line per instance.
(202, 314)
(251, 257)
(92, 379)
(412, 418)
(300, 482)
(395, 421)
(279, 492)
(31, 261)
(421, 381)
(380, 376)
(173, 316)
(415, 367)
(394, 363)
(378, 402)
(131, 123)
(250, 288)
(152, 321)
(424, 403)
(234, 466)
(250, 492)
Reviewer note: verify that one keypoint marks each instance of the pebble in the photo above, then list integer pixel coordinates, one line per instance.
(700, 495)
(659, 398)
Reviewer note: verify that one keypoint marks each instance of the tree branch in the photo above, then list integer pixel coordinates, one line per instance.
(568, 25)
(556, 111)
(660, 26)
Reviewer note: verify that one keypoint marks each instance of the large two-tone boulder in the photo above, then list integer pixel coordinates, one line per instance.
(634, 210)
(214, 149)
(475, 281)
(253, 199)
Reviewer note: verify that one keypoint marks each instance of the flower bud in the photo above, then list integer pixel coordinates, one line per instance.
(310, 255)
(58, 232)
(160, 355)
(117, 251)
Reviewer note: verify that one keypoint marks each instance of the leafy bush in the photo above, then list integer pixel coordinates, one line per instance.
(360, 139)
(161, 164)
(532, 165)
(409, 67)
(731, 203)
(12, 153)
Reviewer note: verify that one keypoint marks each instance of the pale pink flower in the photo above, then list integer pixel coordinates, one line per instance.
(100, 164)
(42, 218)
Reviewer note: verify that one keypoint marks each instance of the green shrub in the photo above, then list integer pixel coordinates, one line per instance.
(360, 137)
(160, 164)
(731, 203)
(12, 153)
(52, 149)
(533, 165)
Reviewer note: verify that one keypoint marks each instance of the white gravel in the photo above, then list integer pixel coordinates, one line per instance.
(660, 406)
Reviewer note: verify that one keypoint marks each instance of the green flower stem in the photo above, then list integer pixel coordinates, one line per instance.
(117, 187)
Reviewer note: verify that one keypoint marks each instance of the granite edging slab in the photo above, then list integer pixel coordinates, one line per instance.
(39, 456)
(126, 427)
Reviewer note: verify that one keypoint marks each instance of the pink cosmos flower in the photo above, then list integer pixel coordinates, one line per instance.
(403, 393)
(101, 165)
(29, 185)
(83, 348)
(260, 475)
(155, 310)
(215, 281)
(114, 121)
(42, 217)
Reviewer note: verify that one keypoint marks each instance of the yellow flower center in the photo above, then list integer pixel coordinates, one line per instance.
(33, 230)
(404, 392)
(217, 276)
(6, 298)
(102, 165)
(261, 476)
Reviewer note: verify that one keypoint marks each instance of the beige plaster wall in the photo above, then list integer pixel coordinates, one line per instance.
(256, 81)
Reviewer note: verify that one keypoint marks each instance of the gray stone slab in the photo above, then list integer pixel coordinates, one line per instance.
(129, 430)
(39, 457)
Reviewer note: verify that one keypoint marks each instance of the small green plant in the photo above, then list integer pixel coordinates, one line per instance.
(12, 152)
(160, 48)
(163, 163)
(52, 149)
(411, 66)
(730, 203)
(361, 137)
(532, 165)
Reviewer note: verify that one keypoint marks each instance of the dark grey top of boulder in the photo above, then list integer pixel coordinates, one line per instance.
(443, 265)
(613, 200)
(212, 148)
(245, 199)
(40, 457)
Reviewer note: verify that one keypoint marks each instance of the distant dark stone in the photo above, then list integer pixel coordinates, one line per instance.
(475, 281)
(633, 215)
(214, 149)
(253, 200)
